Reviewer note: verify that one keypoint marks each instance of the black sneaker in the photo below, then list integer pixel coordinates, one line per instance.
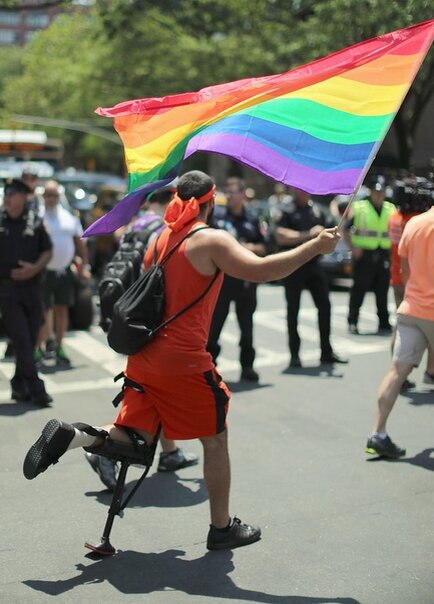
(249, 374)
(42, 399)
(20, 395)
(170, 462)
(384, 330)
(295, 362)
(237, 535)
(105, 468)
(50, 349)
(383, 447)
(331, 358)
(51, 445)
(407, 385)
(428, 378)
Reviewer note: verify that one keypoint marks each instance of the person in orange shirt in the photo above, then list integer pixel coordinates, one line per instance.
(177, 383)
(415, 325)
(411, 199)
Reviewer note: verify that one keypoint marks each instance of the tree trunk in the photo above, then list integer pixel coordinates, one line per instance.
(405, 140)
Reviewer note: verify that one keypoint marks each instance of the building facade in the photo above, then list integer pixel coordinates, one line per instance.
(19, 25)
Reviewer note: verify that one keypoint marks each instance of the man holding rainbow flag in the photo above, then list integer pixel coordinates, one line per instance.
(317, 128)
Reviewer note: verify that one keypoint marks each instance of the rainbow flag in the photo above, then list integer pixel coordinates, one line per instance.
(317, 127)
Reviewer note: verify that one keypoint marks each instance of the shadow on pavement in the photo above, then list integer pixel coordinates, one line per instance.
(160, 490)
(133, 572)
(50, 369)
(419, 398)
(14, 408)
(421, 460)
(316, 371)
(244, 386)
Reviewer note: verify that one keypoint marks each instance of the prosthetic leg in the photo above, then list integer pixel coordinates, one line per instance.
(136, 452)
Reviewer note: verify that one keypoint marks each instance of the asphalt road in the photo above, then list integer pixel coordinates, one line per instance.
(337, 527)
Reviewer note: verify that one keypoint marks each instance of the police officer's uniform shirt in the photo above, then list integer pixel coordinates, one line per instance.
(245, 227)
(19, 242)
(62, 227)
(304, 218)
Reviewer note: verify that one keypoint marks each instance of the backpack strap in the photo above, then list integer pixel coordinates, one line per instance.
(175, 247)
(164, 260)
(181, 312)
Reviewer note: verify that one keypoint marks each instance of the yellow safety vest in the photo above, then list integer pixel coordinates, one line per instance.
(369, 230)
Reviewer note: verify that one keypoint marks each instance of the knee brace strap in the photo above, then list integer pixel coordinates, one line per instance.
(137, 452)
(91, 430)
(126, 383)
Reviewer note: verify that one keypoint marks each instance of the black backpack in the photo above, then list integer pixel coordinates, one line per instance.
(137, 315)
(123, 270)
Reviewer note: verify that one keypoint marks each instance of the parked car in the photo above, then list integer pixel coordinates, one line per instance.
(83, 190)
(93, 194)
(337, 265)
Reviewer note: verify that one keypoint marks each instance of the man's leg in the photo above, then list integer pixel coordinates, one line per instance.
(428, 376)
(61, 319)
(293, 288)
(362, 275)
(217, 476)
(58, 437)
(63, 290)
(388, 393)
(224, 532)
(381, 289)
(245, 306)
(410, 345)
(380, 443)
(60, 322)
(173, 458)
(319, 289)
(22, 322)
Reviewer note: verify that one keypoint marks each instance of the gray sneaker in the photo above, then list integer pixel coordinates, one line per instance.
(105, 468)
(170, 462)
(428, 378)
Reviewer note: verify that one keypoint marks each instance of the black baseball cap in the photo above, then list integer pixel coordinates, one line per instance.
(15, 185)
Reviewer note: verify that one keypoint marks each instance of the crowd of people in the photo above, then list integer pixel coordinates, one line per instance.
(40, 247)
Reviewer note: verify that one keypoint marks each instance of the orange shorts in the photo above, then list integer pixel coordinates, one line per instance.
(187, 406)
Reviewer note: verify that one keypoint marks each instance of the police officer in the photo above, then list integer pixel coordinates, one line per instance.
(238, 220)
(25, 250)
(300, 221)
(367, 235)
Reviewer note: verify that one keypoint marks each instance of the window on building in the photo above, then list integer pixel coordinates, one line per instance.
(37, 18)
(8, 36)
(28, 36)
(9, 18)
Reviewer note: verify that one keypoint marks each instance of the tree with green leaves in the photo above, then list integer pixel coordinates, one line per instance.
(123, 49)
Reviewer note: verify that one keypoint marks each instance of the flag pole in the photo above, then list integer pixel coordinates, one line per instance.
(361, 178)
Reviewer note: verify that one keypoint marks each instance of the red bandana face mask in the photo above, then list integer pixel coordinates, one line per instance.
(180, 212)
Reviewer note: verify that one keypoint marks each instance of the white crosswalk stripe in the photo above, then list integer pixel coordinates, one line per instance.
(90, 352)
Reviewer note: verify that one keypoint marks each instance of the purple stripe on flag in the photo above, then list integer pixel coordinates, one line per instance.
(124, 210)
(273, 164)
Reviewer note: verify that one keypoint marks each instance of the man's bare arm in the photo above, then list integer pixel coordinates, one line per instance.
(290, 237)
(234, 260)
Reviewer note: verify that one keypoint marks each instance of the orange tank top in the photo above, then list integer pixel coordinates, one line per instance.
(179, 348)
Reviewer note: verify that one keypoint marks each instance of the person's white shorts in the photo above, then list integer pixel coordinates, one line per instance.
(412, 338)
